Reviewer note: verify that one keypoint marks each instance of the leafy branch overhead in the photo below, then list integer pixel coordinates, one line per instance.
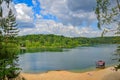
(108, 13)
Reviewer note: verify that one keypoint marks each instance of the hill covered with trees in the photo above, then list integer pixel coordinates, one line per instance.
(55, 42)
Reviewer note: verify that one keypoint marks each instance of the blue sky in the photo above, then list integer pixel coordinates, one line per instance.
(36, 8)
(28, 2)
(72, 18)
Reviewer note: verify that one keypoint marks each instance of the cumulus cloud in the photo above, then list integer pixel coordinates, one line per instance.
(77, 5)
(71, 15)
(39, 16)
(24, 12)
(52, 27)
(24, 16)
(73, 12)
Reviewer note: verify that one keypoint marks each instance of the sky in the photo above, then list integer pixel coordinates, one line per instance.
(71, 18)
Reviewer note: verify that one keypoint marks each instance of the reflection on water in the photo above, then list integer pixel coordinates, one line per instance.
(22, 51)
(34, 50)
(74, 59)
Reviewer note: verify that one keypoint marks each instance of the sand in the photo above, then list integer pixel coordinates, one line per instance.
(101, 74)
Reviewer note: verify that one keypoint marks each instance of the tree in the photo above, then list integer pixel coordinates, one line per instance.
(9, 47)
(108, 13)
(108, 16)
(10, 29)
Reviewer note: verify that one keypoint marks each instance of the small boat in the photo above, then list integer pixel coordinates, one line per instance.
(100, 64)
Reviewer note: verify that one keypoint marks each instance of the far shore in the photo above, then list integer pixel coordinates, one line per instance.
(98, 74)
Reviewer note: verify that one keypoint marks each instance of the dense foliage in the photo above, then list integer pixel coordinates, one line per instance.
(8, 45)
(51, 41)
(54, 42)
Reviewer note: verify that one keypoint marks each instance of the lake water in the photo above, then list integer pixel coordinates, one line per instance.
(76, 59)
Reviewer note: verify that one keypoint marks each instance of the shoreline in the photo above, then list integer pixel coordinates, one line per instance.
(98, 74)
(74, 70)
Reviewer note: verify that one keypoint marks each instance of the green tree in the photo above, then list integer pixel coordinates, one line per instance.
(10, 29)
(9, 47)
(108, 15)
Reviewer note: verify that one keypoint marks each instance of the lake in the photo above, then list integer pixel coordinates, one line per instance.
(76, 59)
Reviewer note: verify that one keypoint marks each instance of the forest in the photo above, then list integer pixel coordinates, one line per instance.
(52, 42)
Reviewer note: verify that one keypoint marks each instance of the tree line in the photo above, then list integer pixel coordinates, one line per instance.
(55, 41)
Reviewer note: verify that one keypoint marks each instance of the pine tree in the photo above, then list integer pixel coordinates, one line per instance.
(8, 45)
(10, 28)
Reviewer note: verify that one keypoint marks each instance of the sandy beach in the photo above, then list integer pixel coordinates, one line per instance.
(101, 74)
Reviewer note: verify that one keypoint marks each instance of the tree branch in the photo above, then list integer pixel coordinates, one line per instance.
(118, 4)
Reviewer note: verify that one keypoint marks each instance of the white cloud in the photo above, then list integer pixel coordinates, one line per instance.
(52, 27)
(59, 8)
(24, 13)
(70, 12)
(39, 16)
(71, 19)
